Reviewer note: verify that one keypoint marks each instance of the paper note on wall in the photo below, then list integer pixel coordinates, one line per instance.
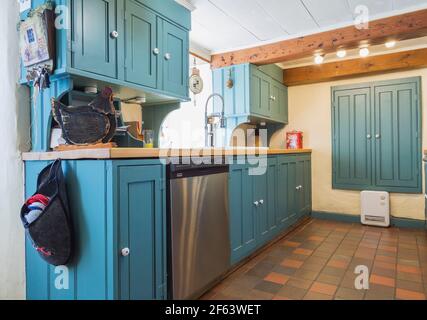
(24, 5)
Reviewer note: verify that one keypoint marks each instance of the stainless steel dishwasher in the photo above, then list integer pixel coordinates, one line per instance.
(198, 222)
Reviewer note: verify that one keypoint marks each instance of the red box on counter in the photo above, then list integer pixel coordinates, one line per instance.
(294, 140)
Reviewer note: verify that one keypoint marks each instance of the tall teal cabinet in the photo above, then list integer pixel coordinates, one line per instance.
(119, 214)
(264, 206)
(377, 135)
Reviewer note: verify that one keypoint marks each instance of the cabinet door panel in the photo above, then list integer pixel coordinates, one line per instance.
(242, 213)
(175, 59)
(275, 99)
(283, 193)
(260, 93)
(260, 194)
(141, 40)
(141, 219)
(292, 194)
(351, 136)
(93, 49)
(397, 136)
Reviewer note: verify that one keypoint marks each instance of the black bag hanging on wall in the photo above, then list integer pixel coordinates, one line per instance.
(46, 217)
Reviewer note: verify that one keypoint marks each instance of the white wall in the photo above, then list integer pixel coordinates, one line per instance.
(14, 130)
(310, 112)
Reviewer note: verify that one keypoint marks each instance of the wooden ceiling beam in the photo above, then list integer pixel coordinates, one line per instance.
(346, 69)
(402, 27)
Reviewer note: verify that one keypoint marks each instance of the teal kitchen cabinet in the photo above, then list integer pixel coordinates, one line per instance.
(141, 230)
(141, 45)
(94, 44)
(243, 227)
(175, 62)
(303, 188)
(377, 136)
(115, 205)
(256, 93)
(264, 206)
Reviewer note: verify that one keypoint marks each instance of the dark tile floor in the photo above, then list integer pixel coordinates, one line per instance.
(317, 261)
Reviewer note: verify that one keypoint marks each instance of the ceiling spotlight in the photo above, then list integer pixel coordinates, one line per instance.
(364, 52)
(341, 53)
(319, 59)
(390, 44)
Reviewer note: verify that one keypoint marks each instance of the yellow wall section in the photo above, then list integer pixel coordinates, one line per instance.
(310, 112)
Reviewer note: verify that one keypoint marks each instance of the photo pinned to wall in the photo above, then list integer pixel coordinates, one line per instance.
(24, 5)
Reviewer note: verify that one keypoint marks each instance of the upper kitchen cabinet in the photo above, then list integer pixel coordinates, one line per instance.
(253, 93)
(377, 136)
(175, 58)
(142, 44)
(94, 37)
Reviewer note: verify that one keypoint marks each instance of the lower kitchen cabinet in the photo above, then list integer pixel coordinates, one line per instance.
(119, 217)
(264, 206)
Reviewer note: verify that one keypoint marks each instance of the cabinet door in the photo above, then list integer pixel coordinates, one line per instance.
(141, 42)
(275, 89)
(141, 221)
(242, 213)
(175, 58)
(265, 189)
(283, 212)
(292, 193)
(397, 137)
(300, 201)
(260, 93)
(93, 48)
(352, 137)
(283, 105)
(307, 186)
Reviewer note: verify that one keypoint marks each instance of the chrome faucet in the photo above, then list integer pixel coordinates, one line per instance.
(210, 120)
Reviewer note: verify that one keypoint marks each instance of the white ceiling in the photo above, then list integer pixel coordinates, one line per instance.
(225, 25)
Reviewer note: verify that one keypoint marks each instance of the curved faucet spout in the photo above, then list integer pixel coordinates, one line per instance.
(209, 133)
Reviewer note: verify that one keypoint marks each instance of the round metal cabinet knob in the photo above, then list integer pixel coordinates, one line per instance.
(114, 34)
(168, 56)
(156, 51)
(125, 252)
(261, 201)
(256, 203)
(378, 136)
(369, 136)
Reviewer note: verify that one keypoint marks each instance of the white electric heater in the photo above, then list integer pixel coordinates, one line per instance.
(375, 208)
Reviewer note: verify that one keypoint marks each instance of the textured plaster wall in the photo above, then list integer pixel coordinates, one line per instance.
(14, 130)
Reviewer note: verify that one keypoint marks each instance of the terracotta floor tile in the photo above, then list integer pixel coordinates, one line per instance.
(408, 269)
(302, 251)
(323, 288)
(328, 279)
(268, 287)
(314, 296)
(300, 283)
(338, 264)
(349, 294)
(292, 292)
(292, 263)
(409, 295)
(316, 238)
(383, 281)
(385, 258)
(291, 244)
(385, 265)
(409, 285)
(409, 277)
(277, 278)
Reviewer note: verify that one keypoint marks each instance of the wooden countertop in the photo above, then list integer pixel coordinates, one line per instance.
(140, 153)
